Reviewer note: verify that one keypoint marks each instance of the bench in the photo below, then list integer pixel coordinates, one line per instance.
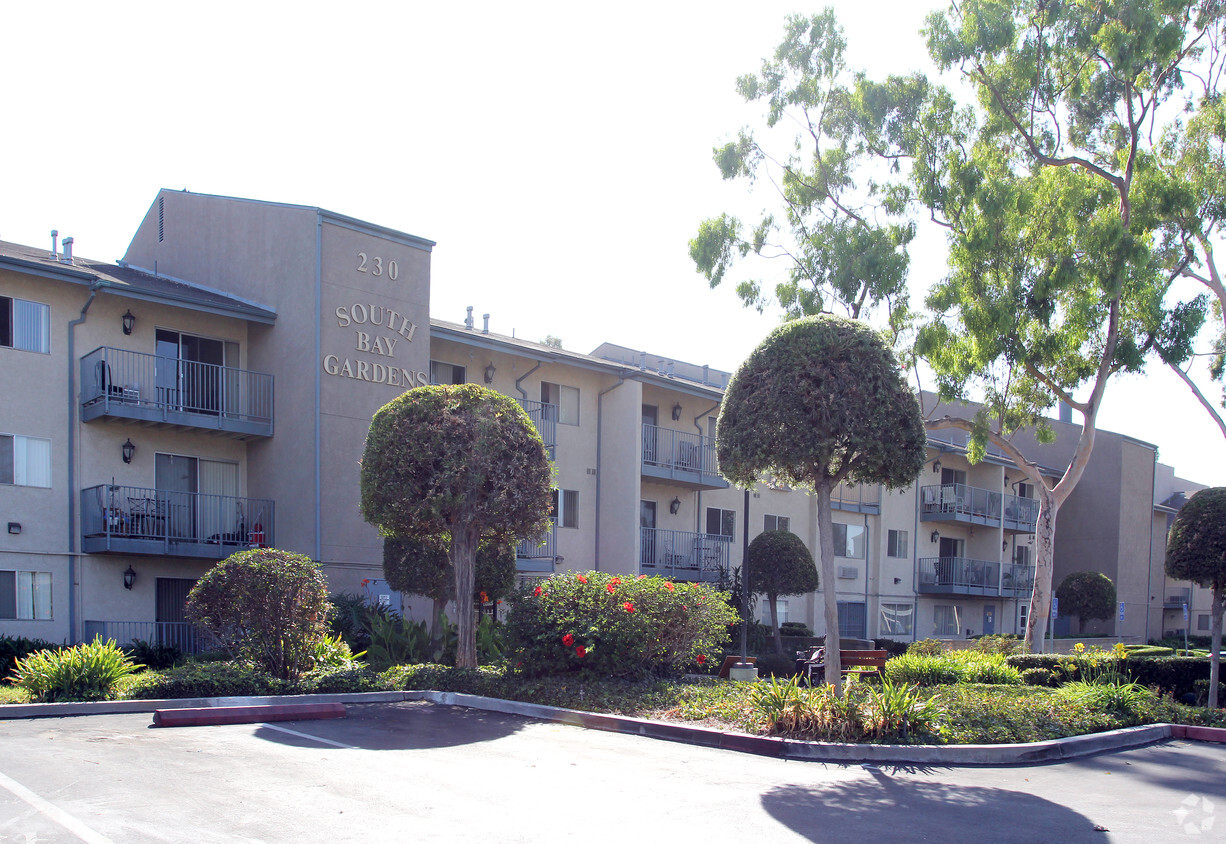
(851, 662)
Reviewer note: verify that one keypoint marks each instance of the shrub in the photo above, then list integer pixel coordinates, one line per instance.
(604, 624)
(351, 616)
(998, 643)
(890, 712)
(892, 647)
(153, 656)
(795, 628)
(85, 672)
(927, 647)
(776, 665)
(1039, 677)
(922, 669)
(350, 678)
(203, 679)
(13, 648)
(395, 640)
(986, 668)
(1174, 675)
(1130, 702)
(265, 605)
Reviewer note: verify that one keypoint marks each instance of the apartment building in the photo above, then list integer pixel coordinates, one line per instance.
(212, 390)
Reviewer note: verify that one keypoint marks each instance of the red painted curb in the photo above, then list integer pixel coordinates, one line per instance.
(210, 715)
(1215, 734)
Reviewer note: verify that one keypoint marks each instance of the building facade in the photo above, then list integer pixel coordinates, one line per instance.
(212, 391)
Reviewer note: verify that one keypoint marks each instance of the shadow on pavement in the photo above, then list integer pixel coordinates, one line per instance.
(884, 809)
(412, 725)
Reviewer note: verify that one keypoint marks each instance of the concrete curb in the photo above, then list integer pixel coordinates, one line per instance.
(208, 716)
(962, 755)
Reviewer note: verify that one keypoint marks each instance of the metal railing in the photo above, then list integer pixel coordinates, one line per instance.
(140, 518)
(536, 556)
(683, 554)
(966, 576)
(545, 417)
(1177, 596)
(859, 498)
(971, 503)
(179, 634)
(679, 453)
(208, 395)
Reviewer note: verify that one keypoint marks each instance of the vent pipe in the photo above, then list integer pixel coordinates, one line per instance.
(706, 370)
(67, 259)
(55, 255)
(671, 365)
(643, 361)
(468, 320)
(486, 328)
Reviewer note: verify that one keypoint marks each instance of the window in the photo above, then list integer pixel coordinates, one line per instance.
(1202, 621)
(952, 476)
(946, 620)
(446, 373)
(25, 461)
(1021, 555)
(853, 619)
(896, 543)
(1025, 490)
(776, 523)
(25, 325)
(897, 619)
(1023, 613)
(566, 515)
(565, 399)
(849, 541)
(25, 595)
(721, 522)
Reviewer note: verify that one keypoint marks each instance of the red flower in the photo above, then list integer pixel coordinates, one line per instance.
(642, 576)
(485, 599)
(684, 607)
(536, 593)
(611, 586)
(581, 652)
(616, 581)
(568, 640)
(629, 607)
(700, 659)
(581, 578)
(669, 586)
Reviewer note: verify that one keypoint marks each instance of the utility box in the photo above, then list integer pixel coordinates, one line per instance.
(379, 593)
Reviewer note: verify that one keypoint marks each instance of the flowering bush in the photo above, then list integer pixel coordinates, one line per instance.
(604, 624)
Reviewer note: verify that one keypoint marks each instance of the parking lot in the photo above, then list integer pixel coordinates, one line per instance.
(423, 772)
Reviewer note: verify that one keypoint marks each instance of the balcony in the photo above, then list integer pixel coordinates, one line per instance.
(545, 418)
(856, 498)
(119, 384)
(533, 556)
(1176, 597)
(974, 506)
(964, 576)
(681, 457)
(683, 555)
(137, 520)
(179, 634)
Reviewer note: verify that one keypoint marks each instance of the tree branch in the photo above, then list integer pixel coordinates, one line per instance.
(1200, 397)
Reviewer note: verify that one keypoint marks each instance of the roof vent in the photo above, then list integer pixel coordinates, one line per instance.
(643, 361)
(468, 320)
(55, 255)
(486, 329)
(67, 256)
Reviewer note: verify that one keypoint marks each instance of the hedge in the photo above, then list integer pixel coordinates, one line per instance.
(1176, 675)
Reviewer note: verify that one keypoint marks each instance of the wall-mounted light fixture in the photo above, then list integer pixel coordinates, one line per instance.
(674, 506)
(490, 369)
(936, 536)
(936, 465)
(129, 577)
(1004, 546)
(128, 321)
(1006, 479)
(14, 527)
(128, 450)
(897, 581)
(676, 411)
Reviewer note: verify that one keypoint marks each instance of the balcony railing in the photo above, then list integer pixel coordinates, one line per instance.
(1176, 597)
(683, 555)
(534, 556)
(858, 498)
(972, 505)
(680, 456)
(964, 576)
(179, 634)
(545, 417)
(118, 519)
(151, 388)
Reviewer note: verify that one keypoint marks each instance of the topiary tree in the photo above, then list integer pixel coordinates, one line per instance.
(266, 605)
(822, 400)
(1087, 594)
(780, 564)
(1196, 551)
(460, 462)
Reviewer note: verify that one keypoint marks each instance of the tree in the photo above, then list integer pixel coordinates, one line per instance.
(821, 400)
(462, 463)
(1196, 551)
(423, 568)
(267, 605)
(1087, 594)
(1053, 205)
(780, 564)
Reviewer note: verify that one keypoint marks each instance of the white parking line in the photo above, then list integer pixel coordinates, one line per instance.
(53, 812)
(308, 736)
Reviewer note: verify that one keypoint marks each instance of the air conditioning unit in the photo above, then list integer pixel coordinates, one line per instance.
(848, 572)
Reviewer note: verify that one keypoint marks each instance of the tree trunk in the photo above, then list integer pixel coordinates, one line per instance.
(440, 607)
(464, 542)
(774, 604)
(825, 533)
(1044, 558)
(1215, 644)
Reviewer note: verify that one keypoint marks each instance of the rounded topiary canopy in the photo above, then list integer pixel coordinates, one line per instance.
(780, 564)
(423, 568)
(1196, 545)
(821, 397)
(1087, 594)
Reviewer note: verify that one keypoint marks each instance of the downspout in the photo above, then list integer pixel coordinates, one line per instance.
(319, 256)
(524, 393)
(621, 379)
(72, 475)
(698, 494)
(868, 554)
(1149, 579)
(915, 578)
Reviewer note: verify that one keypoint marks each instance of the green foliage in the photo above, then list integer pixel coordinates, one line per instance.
(204, 679)
(89, 671)
(892, 647)
(1087, 594)
(351, 617)
(952, 667)
(1131, 702)
(331, 652)
(422, 568)
(776, 665)
(153, 656)
(891, 712)
(265, 605)
(395, 640)
(461, 462)
(780, 564)
(13, 648)
(795, 628)
(601, 624)
(927, 647)
(345, 679)
(1040, 677)
(1196, 544)
(998, 643)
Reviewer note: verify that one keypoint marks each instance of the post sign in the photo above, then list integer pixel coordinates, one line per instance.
(1185, 611)
(1121, 610)
(1055, 607)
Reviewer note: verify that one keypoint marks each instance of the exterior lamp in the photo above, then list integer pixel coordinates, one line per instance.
(489, 373)
(936, 465)
(674, 506)
(676, 411)
(128, 450)
(129, 577)
(128, 322)
(935, 536)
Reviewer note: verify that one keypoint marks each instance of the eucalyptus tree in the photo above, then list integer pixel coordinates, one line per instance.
(461, 462)
(820, 401)
(1196, 550)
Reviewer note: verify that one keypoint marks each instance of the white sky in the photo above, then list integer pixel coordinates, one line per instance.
(559, 153)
